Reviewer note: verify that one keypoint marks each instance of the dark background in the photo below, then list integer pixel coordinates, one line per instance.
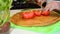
(19, 4)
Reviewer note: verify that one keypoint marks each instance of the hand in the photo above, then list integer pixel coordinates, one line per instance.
(52, 5)
(39, 2)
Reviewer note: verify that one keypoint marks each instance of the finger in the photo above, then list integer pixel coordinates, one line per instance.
(38, 0)
(43, 1)
(51, 9)
(47, 8)
(55, 6)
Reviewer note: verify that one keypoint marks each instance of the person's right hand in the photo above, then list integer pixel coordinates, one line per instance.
(52, 5)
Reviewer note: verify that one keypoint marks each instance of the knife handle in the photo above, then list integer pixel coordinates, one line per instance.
(58, 11)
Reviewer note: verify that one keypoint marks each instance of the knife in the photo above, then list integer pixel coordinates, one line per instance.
(57, 11)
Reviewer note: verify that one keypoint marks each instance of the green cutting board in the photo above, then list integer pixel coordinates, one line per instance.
(46, 29)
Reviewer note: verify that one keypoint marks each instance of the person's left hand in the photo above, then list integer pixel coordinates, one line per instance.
(40, 2)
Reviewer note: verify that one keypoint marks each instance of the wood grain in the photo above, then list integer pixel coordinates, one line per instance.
(36, 21)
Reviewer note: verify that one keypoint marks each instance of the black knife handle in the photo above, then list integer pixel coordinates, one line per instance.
(58, 11)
